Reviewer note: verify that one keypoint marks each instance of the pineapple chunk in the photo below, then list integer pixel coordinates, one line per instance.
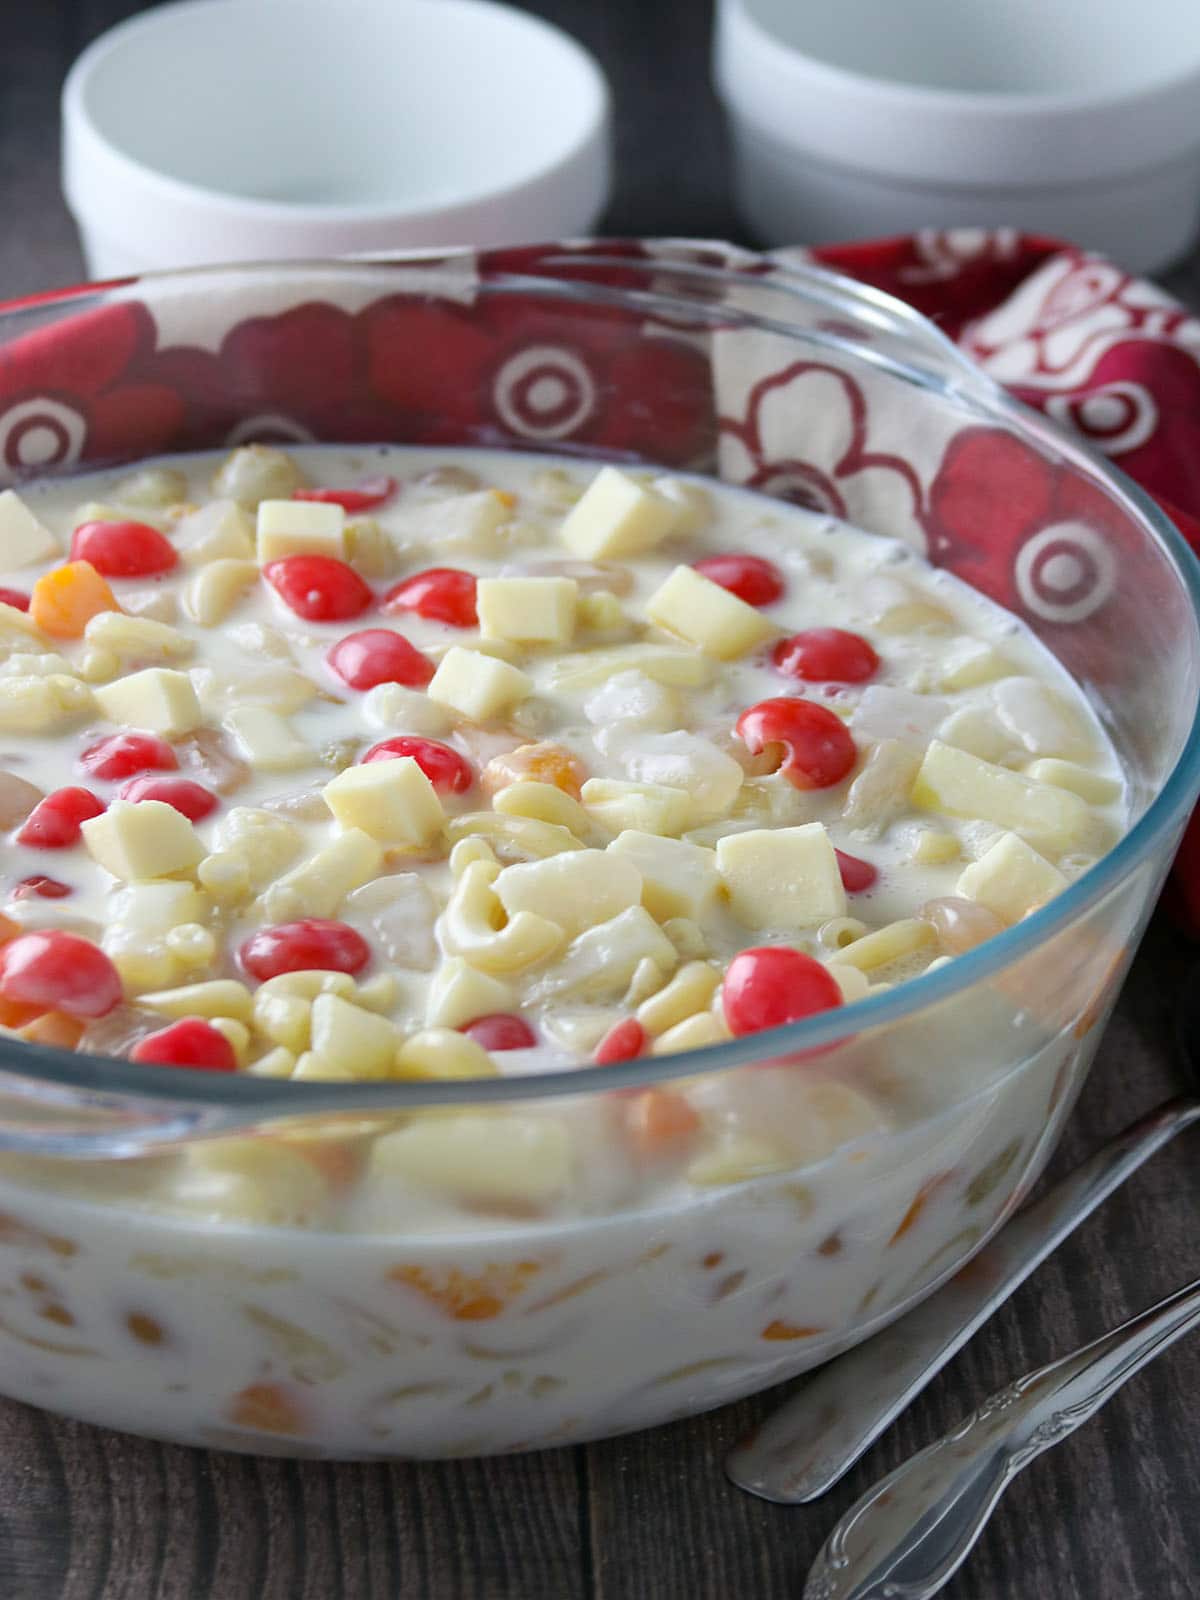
(153, 909)
(136, 638)
(1010, 878)
(506, 1159)
(476, 685)
(317, 887)
(933, 847)
(30, 703)
(144, 840)
(645, 807)
(266, 741)
(782, 877)
(349, 1037)
(1041, 720)
(219, 997)
(158, 699)
(528, 610)
(300, 528)
(600, 963)
(459, 993)
(616, 516)
(392, 706)
(574, 890)
(971, 663)
(589, 669)
(1091, 786)
(216, 588)
(696, 609)
(443, 1053)
(961, 785)
(679, 879)
(393, 801)
(218, 531)
(23, 539)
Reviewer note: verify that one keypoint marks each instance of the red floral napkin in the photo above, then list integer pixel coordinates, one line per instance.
(1109, 355)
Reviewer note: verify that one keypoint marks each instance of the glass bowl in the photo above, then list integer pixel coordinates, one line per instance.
(224, 1261)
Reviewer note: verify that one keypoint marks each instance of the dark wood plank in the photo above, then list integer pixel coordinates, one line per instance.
(90, 1515)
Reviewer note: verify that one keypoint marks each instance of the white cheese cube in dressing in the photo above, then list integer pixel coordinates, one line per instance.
(266, 740)
(392, 801)
(616, 516)
(300, 528)
(679, 879)
(782, 877)
(361, 1043)
(961, 785)
(574, 890)
(527, 610)
(143, 840)
(459, 992)
(158, 699)
(696, 609)
(645, 807)
(477, 686)
(1010, 878)
(23, 539)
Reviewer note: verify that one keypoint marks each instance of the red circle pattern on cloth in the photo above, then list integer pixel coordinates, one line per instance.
(1106, 354)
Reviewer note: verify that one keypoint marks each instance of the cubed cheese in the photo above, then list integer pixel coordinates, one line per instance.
(144, 840)
(574, 890)
(961, 785)
(679, 879)
(1010, 878)
(782, 877)
(527, 610)
(300, 528)
(158, 699)
(459, 992)
(477, 686)
(392, 801)
(358, 1041)
(266, 740)
(644, 807)
(696, 609)
(23, 539)
(616, 516)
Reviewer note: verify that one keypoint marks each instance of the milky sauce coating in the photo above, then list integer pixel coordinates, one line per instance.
(497, 765)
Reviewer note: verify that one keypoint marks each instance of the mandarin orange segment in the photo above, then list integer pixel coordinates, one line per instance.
(17, 1013)
(658, 1119)
(53, 1028)
(469, 1297)
(66, 599)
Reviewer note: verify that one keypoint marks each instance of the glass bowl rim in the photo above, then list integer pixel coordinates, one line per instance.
(72, 1078)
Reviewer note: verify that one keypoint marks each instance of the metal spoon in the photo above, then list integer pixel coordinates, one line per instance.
(817, 1436)
(909, 1534)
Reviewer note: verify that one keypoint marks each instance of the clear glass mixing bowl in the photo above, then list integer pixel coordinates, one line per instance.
(218, 1260)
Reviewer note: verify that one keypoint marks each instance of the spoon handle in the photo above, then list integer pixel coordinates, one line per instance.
(814, 1438)
(909, 1534)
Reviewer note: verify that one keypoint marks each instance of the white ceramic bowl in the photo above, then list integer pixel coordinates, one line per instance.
(1076, 118)
(233, 130)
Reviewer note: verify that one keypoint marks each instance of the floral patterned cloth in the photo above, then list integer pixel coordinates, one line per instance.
(337, 356)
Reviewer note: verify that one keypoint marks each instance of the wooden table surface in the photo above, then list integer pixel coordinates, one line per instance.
(1111, 1515)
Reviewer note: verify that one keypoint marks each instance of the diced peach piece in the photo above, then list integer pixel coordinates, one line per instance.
(658, 1119)
(53, 1028)
(17, 1013)
(536, 763)
(469, 1297)
(267, 1408)
(66, 599)
(9, 929)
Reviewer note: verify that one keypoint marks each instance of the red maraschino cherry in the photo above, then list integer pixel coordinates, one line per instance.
(364, 496)
(319, 588)
(501, 1031)
(53, 824)
(826, 655)
(123, 549)
(442, 594)
(446, 770)
(59, 971)
(770, 985)
(751, 578)
(314, 944)
(624, 1041)
(190, 799)
(819, 751)
(377, 655)
(122, 755)
(190, 1042)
